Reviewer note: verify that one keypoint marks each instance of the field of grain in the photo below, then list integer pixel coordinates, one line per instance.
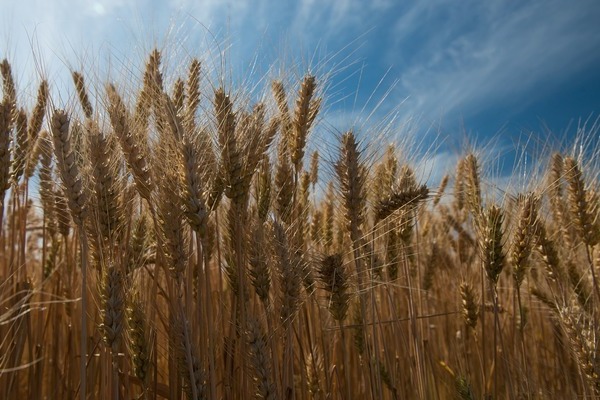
(180, 241)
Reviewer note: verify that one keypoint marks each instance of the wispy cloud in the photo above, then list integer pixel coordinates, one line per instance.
(464, 58)
(450, 59)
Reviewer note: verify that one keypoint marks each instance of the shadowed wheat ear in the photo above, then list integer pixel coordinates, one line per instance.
(196, 211)
(77, 201)
(68, 169)
(5, 118)
(289, 272)
(231, 159)
(352, 177)
(138, 340)
(260, 274)
(398, 199)
(187, 360)
(334, 279)
(260, 361)
(10, 91)
(263, 189)
(113, 308)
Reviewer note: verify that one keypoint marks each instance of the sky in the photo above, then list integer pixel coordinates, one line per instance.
(480, 71)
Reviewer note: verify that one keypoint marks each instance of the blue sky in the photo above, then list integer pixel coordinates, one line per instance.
(488, 68)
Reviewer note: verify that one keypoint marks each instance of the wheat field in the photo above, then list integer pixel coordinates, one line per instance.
(171, 237)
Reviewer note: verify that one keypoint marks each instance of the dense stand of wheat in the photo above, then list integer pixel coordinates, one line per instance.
(178, 241)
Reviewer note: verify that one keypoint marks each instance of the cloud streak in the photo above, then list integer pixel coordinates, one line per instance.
(490, 53)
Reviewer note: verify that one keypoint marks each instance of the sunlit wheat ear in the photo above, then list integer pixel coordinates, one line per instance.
(20, 148)
(178, 96)
(134, 146)
(5, 140)
(316, 227)
(473, 184)
(34, 129)
(583, 341)
(257, 136)
(260, 360)
(386, 175)
(139, 347)
(47, 183)
(84, 99)
(63, 218)
(10, 92)
(69, 171)
(459, 185)
(113, 308)
(334, 280)
(470, 304)
(578, 204)
(153, 88)
(441, 190)
(109, 218)
(284, 115)
(305, 112)
(555, 186)
(170, 222)
(193, 96)
(491, 242)
(547, 249)
(524, 236)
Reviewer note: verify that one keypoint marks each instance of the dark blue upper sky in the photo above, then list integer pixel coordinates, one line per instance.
(488, 68)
